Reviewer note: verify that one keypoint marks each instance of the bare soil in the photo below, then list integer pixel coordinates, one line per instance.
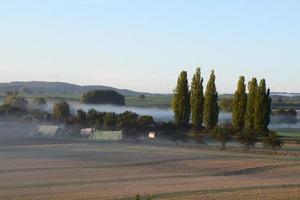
(35, 168)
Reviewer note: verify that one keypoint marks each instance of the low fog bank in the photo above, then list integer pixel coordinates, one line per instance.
(159, 114)
(166, 114)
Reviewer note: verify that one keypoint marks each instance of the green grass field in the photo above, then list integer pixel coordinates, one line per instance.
(292, 134)
(152, 101)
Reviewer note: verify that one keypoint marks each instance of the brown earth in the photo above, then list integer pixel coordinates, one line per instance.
(48, 169)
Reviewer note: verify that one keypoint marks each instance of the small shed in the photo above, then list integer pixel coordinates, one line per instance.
(46, 130)
(86, 132)
(152, 135)
(106, 135)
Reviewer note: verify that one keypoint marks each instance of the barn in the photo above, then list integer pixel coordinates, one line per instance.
(106, 135)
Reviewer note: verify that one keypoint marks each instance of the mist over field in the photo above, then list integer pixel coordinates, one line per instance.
(166, 114)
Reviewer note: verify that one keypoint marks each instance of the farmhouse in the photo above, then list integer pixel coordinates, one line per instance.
(46, 130)
(86, 132)
(106, 136)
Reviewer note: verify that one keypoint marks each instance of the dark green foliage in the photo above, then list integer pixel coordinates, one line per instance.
(268, 109)
(226, 104)
(40, 115)
(110, 121)
(145, 122)
(91, 116)
(142, 96)
(128, 123)
(239, 105)
(172, 131)
(167, 129)
(273, 140)
(61, 111)
(99, 123)
(94, 116)
(8, 110)
(223, 133)
(181, 100)
(262, 110)
(39, 101)
(248, 137)
(127, 120)
(197, 100)
(13, 100)
(251, 104)
(211, 108)
(103, 97)
(81, 117)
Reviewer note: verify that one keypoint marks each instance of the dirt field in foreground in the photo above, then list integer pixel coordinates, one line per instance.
(65, 170)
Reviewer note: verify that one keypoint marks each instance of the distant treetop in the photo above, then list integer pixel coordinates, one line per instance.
(103, 97)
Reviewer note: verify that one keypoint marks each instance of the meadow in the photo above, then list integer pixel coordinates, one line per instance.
(290, 134)
(35, 168)
(159, 101)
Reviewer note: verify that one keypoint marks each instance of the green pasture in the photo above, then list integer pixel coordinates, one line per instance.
(151, 101)
(291, 134)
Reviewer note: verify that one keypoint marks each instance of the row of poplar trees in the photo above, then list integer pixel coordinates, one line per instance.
(195, 105)
(250, 111)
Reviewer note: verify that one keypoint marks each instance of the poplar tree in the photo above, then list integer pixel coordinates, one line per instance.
(259, 109)
(239, 105)
(262, 109)
(211, 108)
(181, 100)
(197, 100)
(248, 136)
(251, 103)
(268, 110)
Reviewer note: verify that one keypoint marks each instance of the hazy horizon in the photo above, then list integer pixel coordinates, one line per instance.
(143, 45)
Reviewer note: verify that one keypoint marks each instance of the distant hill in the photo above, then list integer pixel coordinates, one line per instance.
(60, 87)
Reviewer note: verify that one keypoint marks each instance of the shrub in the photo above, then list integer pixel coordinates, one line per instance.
(273, 140)
(223, 133)
(110, 121)
(61, 111)
(248, 138)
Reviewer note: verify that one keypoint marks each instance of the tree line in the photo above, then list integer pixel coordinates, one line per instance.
(250, 111)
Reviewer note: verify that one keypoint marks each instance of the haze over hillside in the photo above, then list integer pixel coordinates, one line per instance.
(62, 87)
(59, 87)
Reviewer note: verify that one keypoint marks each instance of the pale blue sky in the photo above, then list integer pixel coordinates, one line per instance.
(144, 44)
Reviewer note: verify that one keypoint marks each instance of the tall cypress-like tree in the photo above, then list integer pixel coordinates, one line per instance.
(239, 105)
(181, 99)
(211, 107)
(259, 110)
(251, 103)
(268, 111)
(197, 100)
(262, 109)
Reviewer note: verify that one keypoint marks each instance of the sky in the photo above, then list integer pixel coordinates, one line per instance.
(143, 45)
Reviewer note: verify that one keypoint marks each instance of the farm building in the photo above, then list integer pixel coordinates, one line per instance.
(86, 132)
(152, 135)
(106, 135)
(46, 130)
